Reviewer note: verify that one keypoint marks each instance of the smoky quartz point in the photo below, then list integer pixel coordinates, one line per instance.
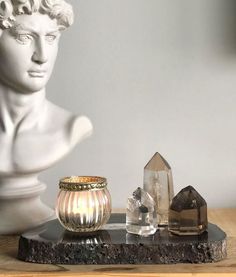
(158, 183)
(141, 216)
(188, 213)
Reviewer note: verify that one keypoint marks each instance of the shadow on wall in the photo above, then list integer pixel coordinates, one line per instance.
(209, 25)
(226, 25)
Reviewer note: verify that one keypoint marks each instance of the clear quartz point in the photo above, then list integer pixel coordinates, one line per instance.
(188, 213)
(141, 216)
(158, 183)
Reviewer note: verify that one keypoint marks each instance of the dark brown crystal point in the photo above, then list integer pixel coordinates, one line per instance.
(188, 213)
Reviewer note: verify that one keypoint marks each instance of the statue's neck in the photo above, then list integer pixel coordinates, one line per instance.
(19, 111)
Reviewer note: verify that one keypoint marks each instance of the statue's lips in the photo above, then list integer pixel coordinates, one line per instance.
(37, 73)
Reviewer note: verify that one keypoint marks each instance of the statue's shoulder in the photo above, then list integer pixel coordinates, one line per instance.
(74, 128)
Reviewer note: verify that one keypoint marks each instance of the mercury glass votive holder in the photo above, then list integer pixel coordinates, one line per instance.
(83, 203)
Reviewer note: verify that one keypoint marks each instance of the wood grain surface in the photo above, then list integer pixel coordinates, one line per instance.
(224, 218)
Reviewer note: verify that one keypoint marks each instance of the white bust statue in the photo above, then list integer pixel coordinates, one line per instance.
(34, 133)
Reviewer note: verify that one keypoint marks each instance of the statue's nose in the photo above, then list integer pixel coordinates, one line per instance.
(40, 54)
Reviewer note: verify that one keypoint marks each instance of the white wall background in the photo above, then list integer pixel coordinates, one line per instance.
(152, 75)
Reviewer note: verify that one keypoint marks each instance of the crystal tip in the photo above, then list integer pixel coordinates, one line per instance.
(137, 193)
(185, 199)
(157, 162)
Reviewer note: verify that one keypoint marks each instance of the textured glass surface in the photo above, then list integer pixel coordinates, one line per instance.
(83, 211)
(188, 213)
(141, 216)
(158, 183)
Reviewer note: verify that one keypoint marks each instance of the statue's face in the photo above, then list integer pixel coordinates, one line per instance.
(28, 52)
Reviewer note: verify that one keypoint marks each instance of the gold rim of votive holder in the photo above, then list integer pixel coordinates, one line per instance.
(78, 183)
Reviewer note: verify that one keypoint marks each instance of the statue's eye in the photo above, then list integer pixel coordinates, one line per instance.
(24, 38)
(50, 38)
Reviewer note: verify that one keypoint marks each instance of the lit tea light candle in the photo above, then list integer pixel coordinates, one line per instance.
(83, 203)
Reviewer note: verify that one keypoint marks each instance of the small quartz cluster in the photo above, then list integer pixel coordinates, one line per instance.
(155, 206)
(141, 215)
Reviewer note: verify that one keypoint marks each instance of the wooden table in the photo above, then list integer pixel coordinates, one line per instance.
(224, 218)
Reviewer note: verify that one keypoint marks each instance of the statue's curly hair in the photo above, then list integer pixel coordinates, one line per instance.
(56, 9)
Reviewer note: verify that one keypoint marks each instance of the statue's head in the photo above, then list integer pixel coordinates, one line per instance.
(29, 36)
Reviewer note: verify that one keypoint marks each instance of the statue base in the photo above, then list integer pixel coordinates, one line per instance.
(52, 244)
(21, 208)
